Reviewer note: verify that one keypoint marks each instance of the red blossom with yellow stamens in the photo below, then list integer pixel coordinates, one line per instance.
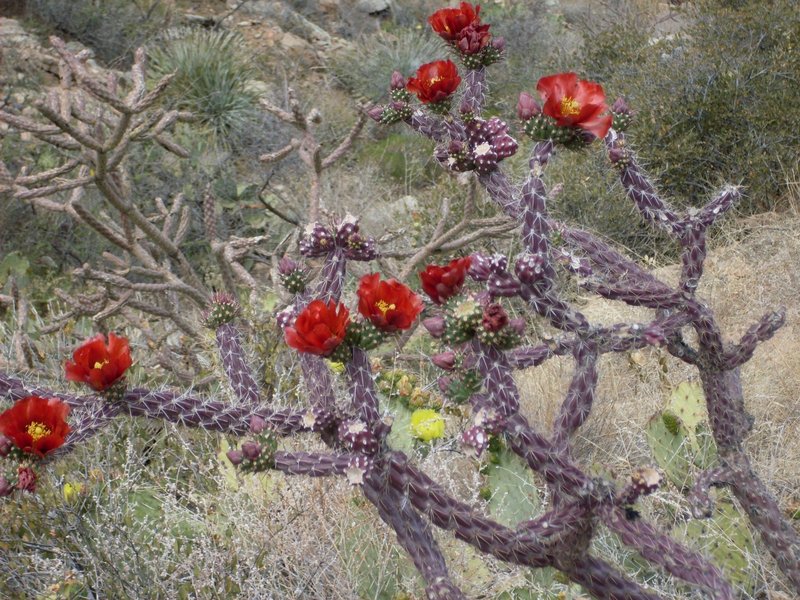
(319, 328)
(435, 82)
(389, 305)
(36, 425)
(444, 282)
(448, 23)
(573, 102)
(100, 365)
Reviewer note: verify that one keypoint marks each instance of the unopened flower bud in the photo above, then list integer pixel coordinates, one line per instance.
(398, 81)
(499, 44)
(479, 267)
(527, 107)
(235, 456)
(287, 266)
(494, 318)
(517, 326)
(434, 325)
(444, 384)
(620, 107)
(26, 479)
(376, 112)
(445, 360)
(5, 445)
(251, 450)
(257, 424)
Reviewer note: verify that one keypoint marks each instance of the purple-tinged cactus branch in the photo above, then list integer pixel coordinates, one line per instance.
(692, 258)
(501, 191)
(413, 533)
(699, 498)
(474, 91)
(93, 418)
(332, 277)
(760, 332)
(231, 353)
(558, 312)
(362, 390)
(726, 413)
(525, 357)
(580, 396)
(603, 581)
(312, 464)
(609, 261)
(636, 296)
(777, 533)
(652, 207)
(724, 201)
(662, 550)
(428, 125)
(493, 366)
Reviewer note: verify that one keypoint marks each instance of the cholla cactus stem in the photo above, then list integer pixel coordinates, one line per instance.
(580, 396)
(652, 207)
(760, 332)
(601, 580)
(428, 125)
(699, 498)
(363, 393)
(501, 191)
(236, 368)
(93, 418)
(413, 533)
(313, 464)
(474, 91)
(662, 550)
(692, 258)
(558, 312)
(497, 379)
(332, 277)
(535, 227)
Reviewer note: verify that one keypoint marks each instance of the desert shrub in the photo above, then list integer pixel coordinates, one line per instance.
(112, 28)
(712, 100)
(361, 69)
(212, 72)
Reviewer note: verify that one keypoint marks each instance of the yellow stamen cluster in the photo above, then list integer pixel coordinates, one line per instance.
(37, 430)
(384, 307)
(569, 107)
(435, 80)
(100, 364)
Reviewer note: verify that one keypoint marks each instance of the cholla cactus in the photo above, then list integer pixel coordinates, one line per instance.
(483, 348)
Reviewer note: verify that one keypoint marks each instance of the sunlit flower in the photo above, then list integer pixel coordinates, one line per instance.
(36, 425)
(444, 282)
(319, 328)
(435, 82)
(427, 424)
(448, 23)
(389, 305)
(100, 365)
(573, 102)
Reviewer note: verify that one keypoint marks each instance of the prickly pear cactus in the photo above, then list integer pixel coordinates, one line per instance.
(726, 539)
(510, 491)
(679, 436)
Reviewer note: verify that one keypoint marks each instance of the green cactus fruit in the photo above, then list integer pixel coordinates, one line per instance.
(726, 539)
(669, 442)
(400, 438)
(679, 435)
(515, 496)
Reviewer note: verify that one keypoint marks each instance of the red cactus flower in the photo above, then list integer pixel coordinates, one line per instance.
(435, 82)
(389, 305)
(448, 23)
(35, 425)
(441, 283)
(573, 102)
(319, 329)
(100, 365)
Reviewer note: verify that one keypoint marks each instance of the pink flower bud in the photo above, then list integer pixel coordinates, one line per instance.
(235, 456)
(398, 81)
(26, 479)
(527, 107)
(517, 326)
(5, 445)
(499, 44)
(375, 113)
(434, 325)
(445, 360)
(620, 107)
(251, 450)
(286, 266)
(257, 424)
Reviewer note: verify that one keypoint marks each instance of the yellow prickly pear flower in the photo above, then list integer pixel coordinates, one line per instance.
(71, 491)
(427, 424)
